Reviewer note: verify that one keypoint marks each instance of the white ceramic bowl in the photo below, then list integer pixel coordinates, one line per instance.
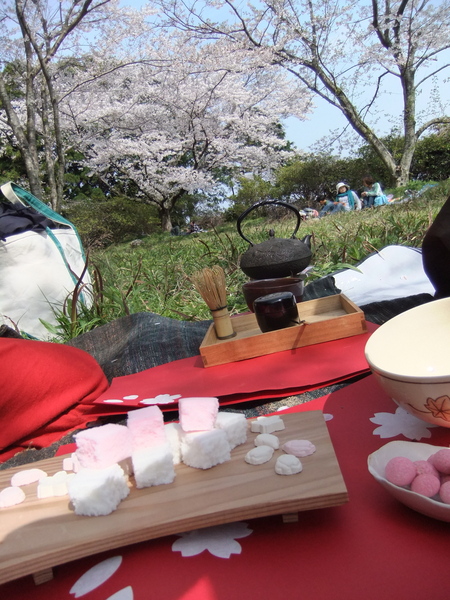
(414, 451)
(410, 358)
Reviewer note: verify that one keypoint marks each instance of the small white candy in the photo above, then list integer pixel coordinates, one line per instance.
(50, 487)
(68, 463)
(259, 455)
(60, 482)
(287, 464)
(27, 476)
(267, 424)
(299, 447)
(11, 496)
(267, 439)
(45, 488)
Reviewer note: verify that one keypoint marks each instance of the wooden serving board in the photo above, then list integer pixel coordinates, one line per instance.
(40, 534)
(323, 320)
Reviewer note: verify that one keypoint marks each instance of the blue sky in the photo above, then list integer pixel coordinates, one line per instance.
(326, 118)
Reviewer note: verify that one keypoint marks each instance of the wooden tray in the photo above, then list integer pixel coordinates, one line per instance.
(324, 319)
(40, 534)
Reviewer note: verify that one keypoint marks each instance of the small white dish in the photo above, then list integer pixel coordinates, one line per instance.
(414, 451)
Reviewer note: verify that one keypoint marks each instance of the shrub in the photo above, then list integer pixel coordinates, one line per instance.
(111, 221)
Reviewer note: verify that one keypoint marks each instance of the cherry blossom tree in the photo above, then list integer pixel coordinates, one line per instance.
(348, 52)
(38, 40)
(176, 124)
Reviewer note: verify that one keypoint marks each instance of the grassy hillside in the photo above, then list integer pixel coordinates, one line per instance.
(154, 274)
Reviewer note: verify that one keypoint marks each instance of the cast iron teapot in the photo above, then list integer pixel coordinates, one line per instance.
(276, 257)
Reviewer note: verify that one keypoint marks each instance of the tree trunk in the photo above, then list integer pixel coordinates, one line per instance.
(409, 126)
(166, 221)
(27, 149)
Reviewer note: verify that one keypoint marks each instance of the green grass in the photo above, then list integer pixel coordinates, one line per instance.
(155, 275)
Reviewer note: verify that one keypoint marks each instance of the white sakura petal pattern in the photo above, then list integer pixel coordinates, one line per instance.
(328, 417)
(161, 399)
(125, 594)
(131, 397)
(400, 423)
(113, 401)
(220, 540)
(97, 575)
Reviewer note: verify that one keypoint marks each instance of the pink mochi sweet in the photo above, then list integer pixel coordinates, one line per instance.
(426, 485)
(425, 467)
(146, 426)
(198, 414)
(441, 460)
(101, 447)
(444, 492)
(400, 470)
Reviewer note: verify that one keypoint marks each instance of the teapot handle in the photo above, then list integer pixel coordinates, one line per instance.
(262, 203)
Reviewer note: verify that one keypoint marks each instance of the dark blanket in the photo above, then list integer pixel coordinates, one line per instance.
(143, 340)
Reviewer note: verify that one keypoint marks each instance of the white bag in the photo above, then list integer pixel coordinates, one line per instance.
(39, 270)
(393, 272)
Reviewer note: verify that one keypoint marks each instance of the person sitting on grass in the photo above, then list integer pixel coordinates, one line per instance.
(347, 198)
(328, 207)
(373, 194)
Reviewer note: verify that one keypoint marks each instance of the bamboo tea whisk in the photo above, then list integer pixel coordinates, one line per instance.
(210, 283)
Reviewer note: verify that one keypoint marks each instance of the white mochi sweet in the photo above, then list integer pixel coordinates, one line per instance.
(153, 466)
(267, 424)
(259, 455)
(205, 449)
(235, 426)
(267, 439)
(98, 492)
(288, 464)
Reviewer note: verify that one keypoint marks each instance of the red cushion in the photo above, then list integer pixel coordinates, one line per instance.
(45, 389)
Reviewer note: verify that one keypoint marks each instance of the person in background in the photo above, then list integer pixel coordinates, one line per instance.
(372, 194)
(327, 207)
(193, 228)
(347, 198)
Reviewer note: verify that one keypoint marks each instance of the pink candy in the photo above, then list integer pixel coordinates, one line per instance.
(444, 492)
(426, 484)
(429, 478)
(441, 460)
(400, 471)
(425, 467)
(198, 414)
(146, 426)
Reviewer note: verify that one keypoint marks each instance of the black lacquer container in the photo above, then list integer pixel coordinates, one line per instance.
(276, 311)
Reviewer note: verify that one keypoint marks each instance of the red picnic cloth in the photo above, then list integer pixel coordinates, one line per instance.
(51, 389)
(274, 375)
(46, 391)
(372, 547)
